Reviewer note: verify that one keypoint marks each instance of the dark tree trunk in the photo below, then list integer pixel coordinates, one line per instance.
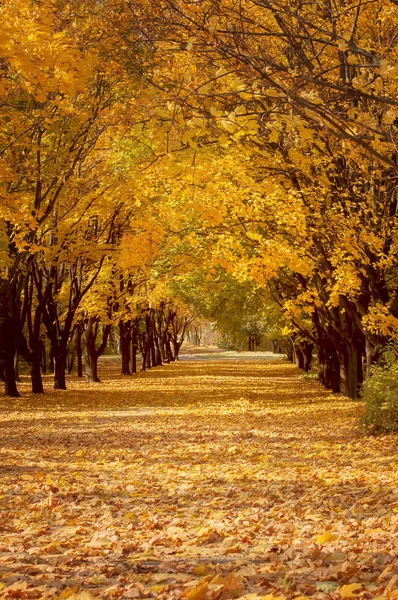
(329, 367)
(134, 346)
(307, 349)
(43, 357)
(351, 374)
(60, 370)
(298, 356)
(35, 373)
(169, 351)
(147, 356)
(79, 352)
(9, 373)
(8, 340)
(91, 353)
(177, 346)
(51, 361)
(71, 361)
(16, 367)
(125, 343)
(152, 350)
(289, 351)
(373, 345)
(158, 352)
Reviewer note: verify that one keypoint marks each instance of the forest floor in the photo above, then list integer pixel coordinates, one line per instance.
(200, 480)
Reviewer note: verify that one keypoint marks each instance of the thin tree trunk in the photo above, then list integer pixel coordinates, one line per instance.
(79, 352)
(125, 343)
(134, 347)
(43, 356)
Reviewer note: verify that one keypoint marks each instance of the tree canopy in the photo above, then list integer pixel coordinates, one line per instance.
(160, 159)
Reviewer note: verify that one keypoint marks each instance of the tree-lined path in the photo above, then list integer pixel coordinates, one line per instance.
(202, 480)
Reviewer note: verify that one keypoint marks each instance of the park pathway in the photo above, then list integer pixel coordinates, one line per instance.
(205, 479)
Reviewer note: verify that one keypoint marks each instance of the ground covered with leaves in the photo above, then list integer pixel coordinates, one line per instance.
(202, 480)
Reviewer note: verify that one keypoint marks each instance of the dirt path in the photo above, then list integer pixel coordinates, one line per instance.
(208, 479)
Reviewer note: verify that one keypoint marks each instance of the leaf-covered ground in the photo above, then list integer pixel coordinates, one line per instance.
(201, 480)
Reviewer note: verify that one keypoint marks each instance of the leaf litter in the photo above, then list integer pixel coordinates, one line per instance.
(200, 481)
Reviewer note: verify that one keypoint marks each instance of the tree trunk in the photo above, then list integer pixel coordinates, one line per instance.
(71, 361)
(373, 345)
(16, 367)
(134, 347)
(9, 373)
(59, 370)
(152, 350)
(125, 343)
(169, 351)
(307, 349)
(158, 352)
(351, 375)
(91, 366)
(289, 351)
(90, 353)
(177, 346)
(51, 361)
(43, 356)
(79, 352)
(7, 337)
(35, 373)
(329, 367)
(298, 356)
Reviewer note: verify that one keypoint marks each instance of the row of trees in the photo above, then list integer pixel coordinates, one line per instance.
(238, 158)
(70, 139)
(302, 99)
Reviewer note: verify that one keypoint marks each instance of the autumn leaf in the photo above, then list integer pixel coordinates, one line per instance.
(325, 537)
(350, 591)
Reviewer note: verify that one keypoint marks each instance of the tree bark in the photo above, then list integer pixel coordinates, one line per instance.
(43, 356)
(307, 349)
(8, 339)
(35, 373)
(60, 369)
(329, 367)
(79, 352)
(351, 374)
(125, 343)
(134, 345)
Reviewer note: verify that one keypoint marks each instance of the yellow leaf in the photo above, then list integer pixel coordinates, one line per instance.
(201, 569)
(272, 93)
(273, 136)
(325, 537)
(198, 593)
(217, 580)
(223, 140)
(349, 591)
